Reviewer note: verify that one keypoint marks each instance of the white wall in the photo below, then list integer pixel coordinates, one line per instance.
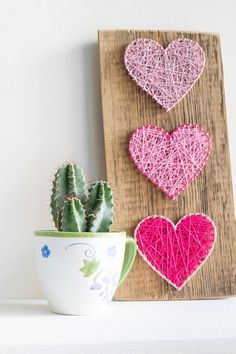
(50, 102)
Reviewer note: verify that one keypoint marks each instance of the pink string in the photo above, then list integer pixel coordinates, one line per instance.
(170, 161)
(165, 74)
(176, 252)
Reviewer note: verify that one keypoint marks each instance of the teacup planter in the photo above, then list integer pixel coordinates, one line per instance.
(82, 264)
(80, 272)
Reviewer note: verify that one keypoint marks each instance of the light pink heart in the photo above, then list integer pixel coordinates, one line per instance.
(165, 74)
(170, 161)
(176, 252)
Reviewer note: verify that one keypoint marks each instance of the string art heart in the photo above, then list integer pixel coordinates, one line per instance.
(170, 161)
(176, 252)
(165, 74)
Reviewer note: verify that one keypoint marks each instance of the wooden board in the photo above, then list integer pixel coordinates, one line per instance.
(125, 108)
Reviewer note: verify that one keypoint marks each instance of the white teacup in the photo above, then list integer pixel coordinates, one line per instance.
(80, 272)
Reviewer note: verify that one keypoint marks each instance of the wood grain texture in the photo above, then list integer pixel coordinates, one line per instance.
(125, 108)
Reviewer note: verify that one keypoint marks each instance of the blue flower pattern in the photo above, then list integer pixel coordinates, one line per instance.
(45, 251)
(105, 281)
(111, 252)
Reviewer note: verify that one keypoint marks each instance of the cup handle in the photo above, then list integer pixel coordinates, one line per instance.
(130, 253)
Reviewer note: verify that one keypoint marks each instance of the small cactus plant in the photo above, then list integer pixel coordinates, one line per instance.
(75, 208)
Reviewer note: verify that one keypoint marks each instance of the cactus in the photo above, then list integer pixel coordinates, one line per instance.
(69, 182)
(74, 208)
(100, 207)
(73, 216)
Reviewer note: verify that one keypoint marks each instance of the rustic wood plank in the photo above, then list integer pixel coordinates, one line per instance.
(126, 107)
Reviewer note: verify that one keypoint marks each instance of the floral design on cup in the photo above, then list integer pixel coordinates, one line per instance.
(105, 282)
(111, 252)
(45, 251)
(90, 267)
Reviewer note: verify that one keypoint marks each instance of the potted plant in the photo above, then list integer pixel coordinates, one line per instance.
(82, 263)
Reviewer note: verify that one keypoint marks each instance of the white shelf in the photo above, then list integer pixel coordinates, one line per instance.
(28, 326)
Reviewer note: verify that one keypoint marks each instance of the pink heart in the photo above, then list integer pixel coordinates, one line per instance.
(165, 74)
(170, 161)
(176, 252)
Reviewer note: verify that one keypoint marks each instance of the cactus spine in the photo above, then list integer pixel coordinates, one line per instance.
(76, 209)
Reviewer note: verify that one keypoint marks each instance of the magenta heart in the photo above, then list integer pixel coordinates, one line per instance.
(165, 74)
(170, 161)
(176, 252)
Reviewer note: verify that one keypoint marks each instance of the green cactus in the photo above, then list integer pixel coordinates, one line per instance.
(69, 182)
(100, 207)
(73, 216)
(74, 208)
